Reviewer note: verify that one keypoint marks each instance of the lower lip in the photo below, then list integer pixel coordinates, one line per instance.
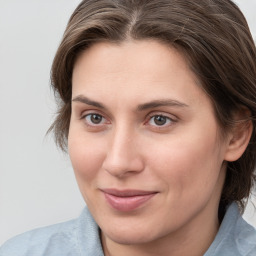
(126, 204)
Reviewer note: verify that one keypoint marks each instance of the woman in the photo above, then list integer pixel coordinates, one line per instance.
(157, 111)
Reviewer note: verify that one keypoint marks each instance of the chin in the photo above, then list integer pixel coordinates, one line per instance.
(131, 237)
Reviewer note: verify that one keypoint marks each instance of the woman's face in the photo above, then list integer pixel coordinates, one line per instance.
(144, 142)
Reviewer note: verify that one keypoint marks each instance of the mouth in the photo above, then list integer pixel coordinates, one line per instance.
(127, 200)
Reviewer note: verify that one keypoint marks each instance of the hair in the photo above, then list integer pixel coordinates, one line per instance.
(212, 35)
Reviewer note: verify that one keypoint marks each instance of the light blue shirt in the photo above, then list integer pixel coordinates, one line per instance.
(80, 237)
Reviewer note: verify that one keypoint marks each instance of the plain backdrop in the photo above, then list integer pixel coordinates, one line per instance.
(37, 185)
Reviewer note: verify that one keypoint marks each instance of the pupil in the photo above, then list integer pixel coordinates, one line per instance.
(160, 120)
(96, 119)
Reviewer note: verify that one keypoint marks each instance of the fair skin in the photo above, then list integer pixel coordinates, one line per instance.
(146, 150)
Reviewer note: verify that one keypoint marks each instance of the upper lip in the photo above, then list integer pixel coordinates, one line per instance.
(127, 192)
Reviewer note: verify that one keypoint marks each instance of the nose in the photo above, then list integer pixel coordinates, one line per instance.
(123, 157)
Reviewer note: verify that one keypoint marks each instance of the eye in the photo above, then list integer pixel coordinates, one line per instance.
(160, 120)
(94, 119)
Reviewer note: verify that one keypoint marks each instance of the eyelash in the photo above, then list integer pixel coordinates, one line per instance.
(170, 121)
(90, 123)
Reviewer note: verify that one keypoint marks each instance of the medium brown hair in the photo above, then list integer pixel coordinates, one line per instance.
(214, 37)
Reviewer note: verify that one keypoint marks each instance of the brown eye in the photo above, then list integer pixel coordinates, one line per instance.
(160, 120)
(94, 119)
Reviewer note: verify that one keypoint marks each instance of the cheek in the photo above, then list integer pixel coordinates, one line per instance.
(188, 164)
(86, 157)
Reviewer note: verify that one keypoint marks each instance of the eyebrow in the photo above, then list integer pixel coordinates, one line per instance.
(141, 107)
(85, 100)
(161, 103)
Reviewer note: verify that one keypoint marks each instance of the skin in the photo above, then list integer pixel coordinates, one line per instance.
(125, 146)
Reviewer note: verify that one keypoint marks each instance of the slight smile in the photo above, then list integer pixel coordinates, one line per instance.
(127, 200)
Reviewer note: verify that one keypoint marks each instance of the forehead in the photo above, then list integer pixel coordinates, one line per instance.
(137, 69)
(132, 57)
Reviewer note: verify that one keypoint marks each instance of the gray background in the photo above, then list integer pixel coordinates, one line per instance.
(37, 185)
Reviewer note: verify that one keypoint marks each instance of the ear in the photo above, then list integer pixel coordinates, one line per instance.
(239, 135)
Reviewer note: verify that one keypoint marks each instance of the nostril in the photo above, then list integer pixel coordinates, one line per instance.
(123, 168)
(117, 171)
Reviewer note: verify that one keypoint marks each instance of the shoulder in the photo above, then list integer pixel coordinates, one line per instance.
(63, 239)
(235, 236)
(38, 241)
(245, 236)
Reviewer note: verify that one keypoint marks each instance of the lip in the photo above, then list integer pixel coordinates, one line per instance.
(127, 200)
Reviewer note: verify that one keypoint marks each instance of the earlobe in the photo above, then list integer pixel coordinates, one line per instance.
(239, 140)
